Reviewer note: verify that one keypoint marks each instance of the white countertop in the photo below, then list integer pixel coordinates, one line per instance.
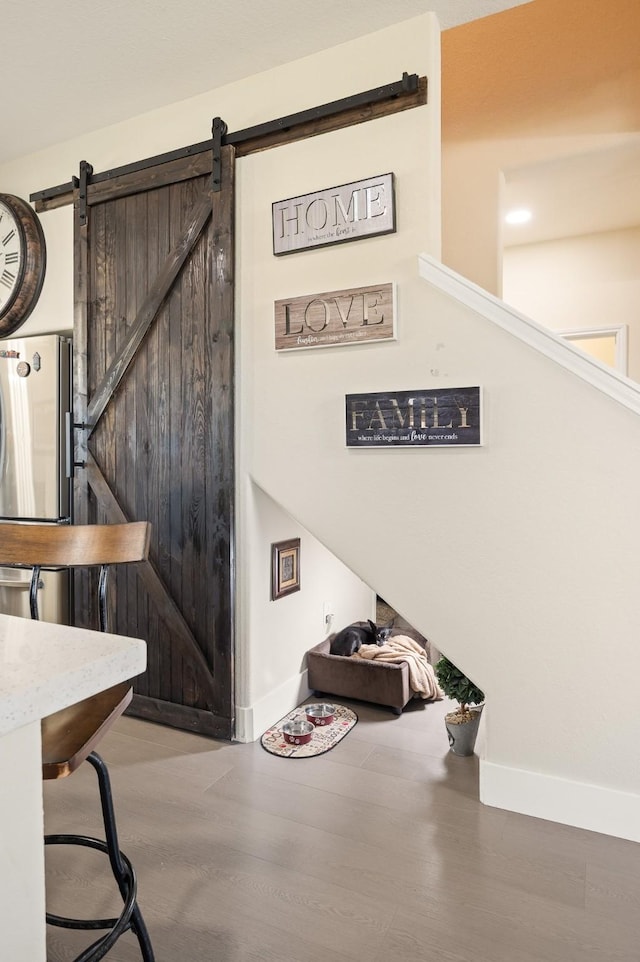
(46, 667)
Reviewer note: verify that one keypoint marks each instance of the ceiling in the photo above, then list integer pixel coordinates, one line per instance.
(75, 67)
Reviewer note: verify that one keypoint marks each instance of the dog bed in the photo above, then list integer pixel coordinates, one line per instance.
(382, 683)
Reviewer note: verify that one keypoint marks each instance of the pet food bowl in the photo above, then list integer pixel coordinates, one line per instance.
(322, 714)
(297, 732)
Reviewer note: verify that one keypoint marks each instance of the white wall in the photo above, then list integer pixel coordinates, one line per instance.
(272, 676)
(518, 559)
(408, 145)
(576, 283)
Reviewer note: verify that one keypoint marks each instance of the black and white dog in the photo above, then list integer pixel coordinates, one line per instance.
(350, 639)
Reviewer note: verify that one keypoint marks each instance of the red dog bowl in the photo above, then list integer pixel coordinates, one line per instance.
(297, 732)
(322, 714)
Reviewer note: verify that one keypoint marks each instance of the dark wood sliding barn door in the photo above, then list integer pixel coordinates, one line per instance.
(153, 407)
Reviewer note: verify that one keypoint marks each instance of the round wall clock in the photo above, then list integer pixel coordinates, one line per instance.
(23, 260)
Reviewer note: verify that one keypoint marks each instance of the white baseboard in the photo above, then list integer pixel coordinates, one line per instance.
(597, 809)
(244, 725)
(251, 722)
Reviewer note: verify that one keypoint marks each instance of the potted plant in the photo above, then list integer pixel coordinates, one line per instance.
(461, 724)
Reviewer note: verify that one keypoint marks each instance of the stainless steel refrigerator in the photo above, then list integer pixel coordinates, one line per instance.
(35, 484)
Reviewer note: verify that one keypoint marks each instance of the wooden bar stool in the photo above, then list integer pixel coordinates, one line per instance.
(69, 736)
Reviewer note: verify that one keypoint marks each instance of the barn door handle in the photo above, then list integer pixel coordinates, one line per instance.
(69, 463)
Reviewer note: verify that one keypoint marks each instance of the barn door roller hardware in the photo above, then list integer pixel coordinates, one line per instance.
(411, 91)
(80, 184)
(218, 130)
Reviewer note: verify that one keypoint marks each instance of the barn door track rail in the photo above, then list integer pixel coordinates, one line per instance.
(410, 91)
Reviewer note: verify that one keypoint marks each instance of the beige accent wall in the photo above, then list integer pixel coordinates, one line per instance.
(534, 83)
(580, 282)
(603, 348)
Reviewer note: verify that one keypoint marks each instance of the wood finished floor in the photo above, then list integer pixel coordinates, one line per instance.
(378, 851)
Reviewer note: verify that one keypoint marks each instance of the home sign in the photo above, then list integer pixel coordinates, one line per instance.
(334, 318)
(334, 215)
(430, 417)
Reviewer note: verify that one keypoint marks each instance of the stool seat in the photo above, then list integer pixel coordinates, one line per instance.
(69, 735)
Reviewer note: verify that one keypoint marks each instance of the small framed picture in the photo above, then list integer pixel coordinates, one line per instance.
(285, 568)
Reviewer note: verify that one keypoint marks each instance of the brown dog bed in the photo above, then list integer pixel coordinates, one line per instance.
(382, 683)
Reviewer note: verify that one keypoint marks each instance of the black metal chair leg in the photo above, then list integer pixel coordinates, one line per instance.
(123, 872)
(121, 867)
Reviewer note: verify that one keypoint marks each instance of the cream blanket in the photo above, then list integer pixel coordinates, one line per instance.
(422, 677)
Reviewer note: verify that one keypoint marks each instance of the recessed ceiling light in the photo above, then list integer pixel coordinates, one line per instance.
(519, 215)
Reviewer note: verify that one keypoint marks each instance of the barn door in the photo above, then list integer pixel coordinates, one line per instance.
(153, 409)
